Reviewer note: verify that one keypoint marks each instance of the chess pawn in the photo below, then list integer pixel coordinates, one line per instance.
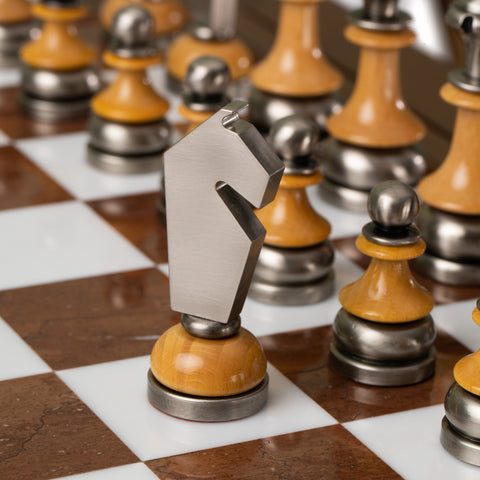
(450, 214)
(294, 77)
(127, 126)
(460, 433)
(58, 76)
(375, 136)
(295, 264)
(384, 333)
(170, 16)
(217, 39)
(15, 28)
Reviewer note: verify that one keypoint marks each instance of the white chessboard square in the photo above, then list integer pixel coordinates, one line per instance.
(61, 241)
(263, 319)
(409, 442)
(117, 394)
(4, 139)
(134, 471)
(16, 357)
(64, 158)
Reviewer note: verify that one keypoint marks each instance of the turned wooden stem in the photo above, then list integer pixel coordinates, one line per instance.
(14, 11)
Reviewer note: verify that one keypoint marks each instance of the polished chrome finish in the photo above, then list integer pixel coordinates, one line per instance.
(394, 237)
(223, 18)
(123, 164)
(463, 448)
(380, 15)
(213, 176)
(265, 108)
(56, 85)
(202, 32)
(383, 342)
(207, 409)
(447, 271)
(344, 197)
(462, 409)
(293, 276)
(451, 236)
(362, 168)
(133, 33)
(206, 83)
(12, 37)
(204, 328)
(129, 138)
(388, 374)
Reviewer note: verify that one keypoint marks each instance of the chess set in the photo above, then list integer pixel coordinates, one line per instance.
(193, 289)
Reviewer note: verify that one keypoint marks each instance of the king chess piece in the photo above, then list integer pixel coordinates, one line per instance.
(460, 433)
(58, 72)
(127, 126)
(450, 215)
(295, 264)
(294, 77)
(212, 177)
(384, 333)
(375, 136)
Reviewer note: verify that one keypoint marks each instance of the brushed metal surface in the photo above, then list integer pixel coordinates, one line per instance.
(462, 410)
(204, 328)
(463, 448)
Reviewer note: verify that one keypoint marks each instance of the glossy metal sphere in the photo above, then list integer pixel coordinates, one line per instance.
(393, 204)
(207, 76)
(294, 137)
(133, 26)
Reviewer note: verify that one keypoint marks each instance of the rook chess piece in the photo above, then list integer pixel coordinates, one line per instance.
(460, 433)
(15, 28)
(374, 138)
(127, 126)
(295, 264)
(212, 176)
(384, 333)
(217, 39)
(58, 76)
(295, 76)
(450, 215)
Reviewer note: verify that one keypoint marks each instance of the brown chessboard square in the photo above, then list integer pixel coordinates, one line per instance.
(17, 124)
(23, 184)
(329, 452)
(136, 217)
(303, 356)
(48, 432)
(91, 320)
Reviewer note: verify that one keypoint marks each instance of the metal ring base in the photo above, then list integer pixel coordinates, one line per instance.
(447, 271)
(207, 409)
(205, 328)
(126, 165)
(381, 374)
(343, 197)
(12, 37)
(461, 447)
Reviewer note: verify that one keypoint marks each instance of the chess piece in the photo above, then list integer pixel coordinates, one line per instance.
(15, 27)
(58, 76)
(450, 215)
(375, 137)
(213, 176)
(170, 16)
(384, 333)
(217, 39)
(295, 264)
(460, 433)
(127, 125)
(295, 77)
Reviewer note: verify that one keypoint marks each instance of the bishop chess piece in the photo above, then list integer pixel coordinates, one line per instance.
(460, 433)
(212, 177)
(58, 75)
(295, 264)
(450, 215)
(384, 333)
(375, 137)
(127, 126)
(15, 28)
(295, 77)
(170, 16)
(217, 39)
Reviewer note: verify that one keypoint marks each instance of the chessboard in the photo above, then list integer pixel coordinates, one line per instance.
(84, 295)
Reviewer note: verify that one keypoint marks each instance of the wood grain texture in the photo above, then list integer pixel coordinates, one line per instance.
(453, 187)
(375, 115)
(59, 47)
(295, 65)
(14, 11)
(208, 368)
